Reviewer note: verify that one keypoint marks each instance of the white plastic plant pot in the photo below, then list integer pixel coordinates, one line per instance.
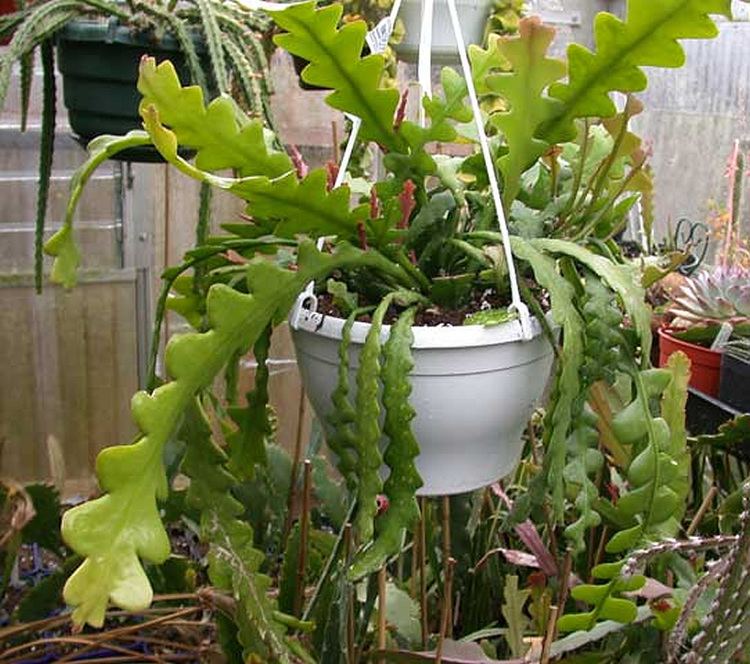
(473, 15)
(473, 389)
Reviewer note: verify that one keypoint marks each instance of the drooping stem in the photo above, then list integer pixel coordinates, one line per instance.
(46, 153)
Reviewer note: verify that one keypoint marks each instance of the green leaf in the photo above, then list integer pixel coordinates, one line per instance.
(517, 621)
(233, 562)
(623, 279)
(335, 61)
(567, 389)
(342, 437)
(112, 531)
(582, 447)
(298, 206)
(523, 89)
(606, 605)
(673, 405)
(401, 451)
(62, 245)
(402, 614)
(732, 436)
(223, 137)
(484, 61)
(367, 425)
(342, 298)
(248, 444)
(647, 38)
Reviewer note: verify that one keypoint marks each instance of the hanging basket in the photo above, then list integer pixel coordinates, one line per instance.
(473, 15)
(99, 65)
(473, 389)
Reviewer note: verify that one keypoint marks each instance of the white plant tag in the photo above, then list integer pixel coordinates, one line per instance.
(377, 38)
(725, 333)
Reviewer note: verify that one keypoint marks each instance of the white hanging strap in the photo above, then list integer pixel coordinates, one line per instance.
(424, 62)
(377, 39)
(517, 303)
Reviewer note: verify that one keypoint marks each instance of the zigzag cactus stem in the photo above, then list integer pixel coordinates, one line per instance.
(726, 629)
(639, 558)
(679, 631)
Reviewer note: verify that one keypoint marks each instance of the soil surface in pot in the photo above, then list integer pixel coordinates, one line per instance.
(436, 316)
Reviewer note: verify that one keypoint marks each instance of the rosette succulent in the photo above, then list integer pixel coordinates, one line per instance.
(714, 297)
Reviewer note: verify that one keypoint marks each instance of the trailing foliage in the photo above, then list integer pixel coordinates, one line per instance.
(133, 475)
(403, 480)
(233, 562)
(648, 37)
(523, 89)
(610, 471)
(247, 444)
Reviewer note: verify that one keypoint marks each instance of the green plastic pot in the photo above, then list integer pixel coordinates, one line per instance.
(99, 65)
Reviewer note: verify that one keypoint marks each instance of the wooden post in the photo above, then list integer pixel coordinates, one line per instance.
(381, 611)
(422, 577)
(550, 635)
(445, 614)
(350, 657)
(448, 599)
(303, 537)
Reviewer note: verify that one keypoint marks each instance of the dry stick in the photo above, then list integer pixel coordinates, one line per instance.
(422, 577)
(292, 498)
(138, 638)
(102, 637)
(705, 506)
(600, 549)
(87, 644)
(303, 537)
(550, 635)
(564, 578)
(56, 621)
(136, 659)
(381, 611)
(414, 566)
(445, 612)
(350, 597)
(446, 557)
(335, 139)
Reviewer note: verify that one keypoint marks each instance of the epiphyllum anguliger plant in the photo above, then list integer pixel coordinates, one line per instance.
(424, 237)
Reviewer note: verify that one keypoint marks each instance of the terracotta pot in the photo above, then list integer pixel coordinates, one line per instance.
(705, 363)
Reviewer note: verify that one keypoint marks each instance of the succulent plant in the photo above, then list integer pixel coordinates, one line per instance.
(739, 349)
(714, 297)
